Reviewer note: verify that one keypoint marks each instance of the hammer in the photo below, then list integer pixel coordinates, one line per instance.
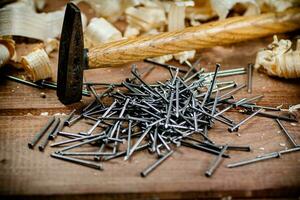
(73, 58)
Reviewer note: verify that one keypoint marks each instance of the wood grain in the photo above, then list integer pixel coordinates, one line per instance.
(30, 174)
(223, 32)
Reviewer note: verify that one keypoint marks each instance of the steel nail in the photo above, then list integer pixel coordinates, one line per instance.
(40, 134)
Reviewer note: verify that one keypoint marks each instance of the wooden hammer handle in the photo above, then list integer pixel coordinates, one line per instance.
(231, 30)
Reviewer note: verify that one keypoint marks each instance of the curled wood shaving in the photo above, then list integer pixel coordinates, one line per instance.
(32, 4)
(7, 50)
(163, 59)
(279, 59)
(99, 31)
(111, 10)
(184, 56)
(176, 17)
(131, 32)
(294, 108)
(37, 65)
(51, 45)
(22, 21)
(146, 18)
(222, 7)
(277, 5)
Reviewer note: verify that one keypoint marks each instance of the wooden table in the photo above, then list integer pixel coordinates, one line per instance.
(28, 173)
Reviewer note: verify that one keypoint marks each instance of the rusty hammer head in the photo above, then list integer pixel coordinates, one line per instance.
(72, 57)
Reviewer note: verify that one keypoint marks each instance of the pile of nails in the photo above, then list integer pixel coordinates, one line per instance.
(159, 118)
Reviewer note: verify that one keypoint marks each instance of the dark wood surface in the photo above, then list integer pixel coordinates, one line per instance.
(27, 173)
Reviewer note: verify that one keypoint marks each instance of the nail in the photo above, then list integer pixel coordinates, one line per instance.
(224, 88)
(227, 71)
(78, 161)
(192, 68)
(249, 79)
(169, 109)
(286, 132)
(246, 162)
(163, 65)
(194, 75)
(177, 99)
(66, 134)
(51, 131)
(67, 153)
(239, 148)
(269, 115)
(16, 79)
(133, 148)
(133, 71)
(59, 128)
(40, 134)
(156, 164)
(73, 120)
(129, 138)
(216, 163)
(232, 91)
(93, 91)
(73, 140)
(123, 153)
(164, 142)
(208, 93)
(282, 152)
(212, 116)
(105, 84)
(69, 117)
(203, 148)
(236, 127)
(89, 132)
(82, 143)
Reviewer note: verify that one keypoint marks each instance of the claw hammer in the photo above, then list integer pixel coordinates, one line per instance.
(74, 58)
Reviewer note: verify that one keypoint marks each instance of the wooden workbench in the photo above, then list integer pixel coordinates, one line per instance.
(28, 173)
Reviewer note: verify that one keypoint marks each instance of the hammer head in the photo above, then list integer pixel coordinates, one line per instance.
(72, 57)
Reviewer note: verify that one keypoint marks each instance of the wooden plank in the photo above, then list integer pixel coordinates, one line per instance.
(30, 172)
(27, 173)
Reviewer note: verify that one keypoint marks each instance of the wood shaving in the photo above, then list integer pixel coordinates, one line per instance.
(32, 4)
(163, 59)
(22, 21)
(176, 17)
(279, 59)
(100, 31)
(111, 10)
(44, 114)
(184, 56)
(282, 144)
(37, 65)
(294, 108)
(43, 95)
(145, 18)
(131, 32)
(7, 50)
(222, 7)
(202, 11)
(277, 5)
(51, 45)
